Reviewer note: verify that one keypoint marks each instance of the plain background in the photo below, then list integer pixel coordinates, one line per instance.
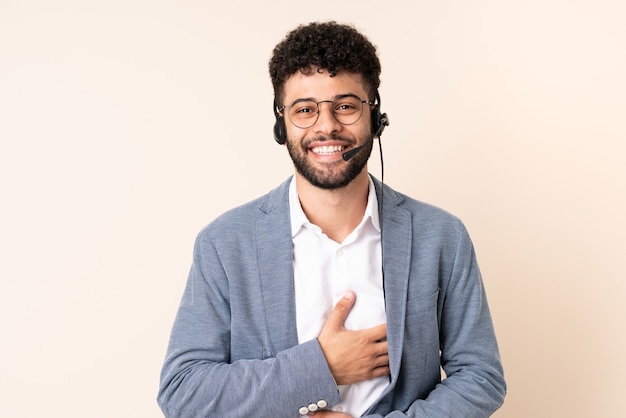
(128, 125)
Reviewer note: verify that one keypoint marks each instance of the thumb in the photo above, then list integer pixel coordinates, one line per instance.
(339, 314)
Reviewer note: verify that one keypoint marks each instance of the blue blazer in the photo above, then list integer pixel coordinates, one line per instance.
(234, 350)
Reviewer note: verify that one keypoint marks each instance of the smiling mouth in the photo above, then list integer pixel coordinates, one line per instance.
(328, 149)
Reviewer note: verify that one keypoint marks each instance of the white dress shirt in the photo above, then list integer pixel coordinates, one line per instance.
(325, 270)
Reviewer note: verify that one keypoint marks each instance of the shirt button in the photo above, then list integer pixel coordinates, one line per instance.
(304, 410)
(340, 252)
(322, 403)
(313, 407)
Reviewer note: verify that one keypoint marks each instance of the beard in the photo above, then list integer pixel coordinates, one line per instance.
(330, 176)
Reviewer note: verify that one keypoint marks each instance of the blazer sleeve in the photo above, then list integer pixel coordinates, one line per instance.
(475, 385)
(199, 377)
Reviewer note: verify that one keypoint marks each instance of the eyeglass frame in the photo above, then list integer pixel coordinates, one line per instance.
(369, 102)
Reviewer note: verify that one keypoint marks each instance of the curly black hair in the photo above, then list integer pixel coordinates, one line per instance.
(324, 46)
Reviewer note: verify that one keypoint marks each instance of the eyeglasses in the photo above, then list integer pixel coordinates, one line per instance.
(347, 110)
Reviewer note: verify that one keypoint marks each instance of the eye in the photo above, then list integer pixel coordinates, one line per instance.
(346, 107)
(304, 109)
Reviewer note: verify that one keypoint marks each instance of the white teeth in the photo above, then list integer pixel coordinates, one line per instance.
(328, 149)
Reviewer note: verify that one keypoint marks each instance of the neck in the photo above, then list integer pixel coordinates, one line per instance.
(337, 212)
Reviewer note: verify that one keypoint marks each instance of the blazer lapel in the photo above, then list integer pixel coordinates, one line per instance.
(275, 258)
(396, 236)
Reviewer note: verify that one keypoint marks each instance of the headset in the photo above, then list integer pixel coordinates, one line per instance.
(379, 121)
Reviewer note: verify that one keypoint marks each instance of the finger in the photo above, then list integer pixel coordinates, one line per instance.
(381, 361)
(380, 372)
(377, 333)
(339, 314)
(382, 349)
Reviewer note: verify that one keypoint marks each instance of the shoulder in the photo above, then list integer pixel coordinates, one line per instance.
(423, 215)
(242, 219)
(429, 228)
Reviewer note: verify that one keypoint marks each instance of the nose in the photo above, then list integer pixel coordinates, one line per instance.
(326, 121)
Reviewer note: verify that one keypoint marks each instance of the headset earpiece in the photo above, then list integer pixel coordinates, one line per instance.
(379, 120)
(280, 130)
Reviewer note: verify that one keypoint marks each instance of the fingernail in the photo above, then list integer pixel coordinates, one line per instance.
(349, 295)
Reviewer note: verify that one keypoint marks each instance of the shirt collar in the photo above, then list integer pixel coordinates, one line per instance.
(299, 219)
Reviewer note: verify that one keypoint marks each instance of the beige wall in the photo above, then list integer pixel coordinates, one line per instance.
(121, 136)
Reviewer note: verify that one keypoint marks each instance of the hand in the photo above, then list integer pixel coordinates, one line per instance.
(353, 356)
(328, 414)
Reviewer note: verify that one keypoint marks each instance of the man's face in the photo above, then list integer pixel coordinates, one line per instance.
(317, 151)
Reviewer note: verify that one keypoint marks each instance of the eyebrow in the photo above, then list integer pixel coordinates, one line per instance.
(334, 99)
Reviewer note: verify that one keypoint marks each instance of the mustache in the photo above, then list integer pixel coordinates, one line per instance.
(323, 138)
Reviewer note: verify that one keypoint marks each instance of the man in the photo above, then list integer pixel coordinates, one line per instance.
(333, 295)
